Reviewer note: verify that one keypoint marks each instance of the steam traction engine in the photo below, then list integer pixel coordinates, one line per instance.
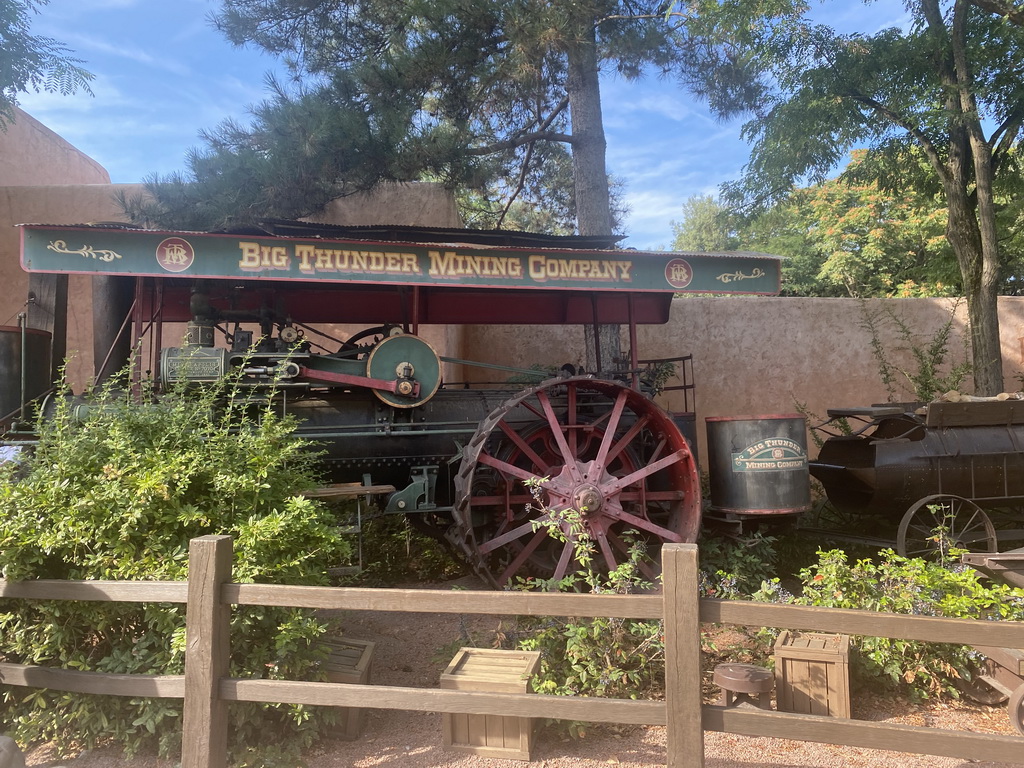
(459, 459)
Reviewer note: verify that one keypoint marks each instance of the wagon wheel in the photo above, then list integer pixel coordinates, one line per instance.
(1015, 709)
(606, 451)
(935, 523)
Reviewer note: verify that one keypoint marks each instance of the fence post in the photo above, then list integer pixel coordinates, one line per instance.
(683, 700)
(204, 739)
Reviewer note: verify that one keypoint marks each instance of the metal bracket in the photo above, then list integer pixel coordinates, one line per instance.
(418, 495)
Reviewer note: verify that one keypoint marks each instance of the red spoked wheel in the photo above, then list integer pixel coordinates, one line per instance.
(606, 452)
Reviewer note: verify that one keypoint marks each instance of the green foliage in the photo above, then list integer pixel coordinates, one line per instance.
(928, 376)
(475, 95)
(618, 658)
(900, 585)
(396, 552)
(939, 89)
(706, 226)
(32, 63)
(117, 491)
(735, 566)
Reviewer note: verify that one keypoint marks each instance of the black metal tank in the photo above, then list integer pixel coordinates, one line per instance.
(758, 465)
(894, 456)
(24, 367)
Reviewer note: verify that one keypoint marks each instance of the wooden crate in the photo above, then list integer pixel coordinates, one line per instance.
(350, 661)
(812, 673)
(486, 669)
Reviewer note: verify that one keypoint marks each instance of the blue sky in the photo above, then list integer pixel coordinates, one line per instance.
(163, 74)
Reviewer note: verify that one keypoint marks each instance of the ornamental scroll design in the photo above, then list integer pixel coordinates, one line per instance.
(86, 251)
(730, 277)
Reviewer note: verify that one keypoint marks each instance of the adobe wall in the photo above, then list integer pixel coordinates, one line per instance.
(31, 155)
(763, 355)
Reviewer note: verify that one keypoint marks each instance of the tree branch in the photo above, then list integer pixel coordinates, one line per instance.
(930, 150)
(519, 141)
(1004, 8)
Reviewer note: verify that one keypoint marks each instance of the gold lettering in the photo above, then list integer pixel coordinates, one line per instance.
(250, 260)
(323, 260)
(305, 253)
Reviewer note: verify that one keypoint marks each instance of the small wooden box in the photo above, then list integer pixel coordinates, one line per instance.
(350, 661)
(812, 673)
(486, 669)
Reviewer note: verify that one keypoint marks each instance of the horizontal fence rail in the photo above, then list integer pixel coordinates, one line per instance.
(207, 690)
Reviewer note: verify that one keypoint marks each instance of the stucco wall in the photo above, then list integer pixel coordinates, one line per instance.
(32, 154)
(757, 355)
(66, 204)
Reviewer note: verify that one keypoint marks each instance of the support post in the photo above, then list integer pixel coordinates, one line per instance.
(204, 740)
(48, 311)
(685, 732)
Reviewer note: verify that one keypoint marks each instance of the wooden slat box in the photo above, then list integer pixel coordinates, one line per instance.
(350, 661)
(486, 669)
(812, 673)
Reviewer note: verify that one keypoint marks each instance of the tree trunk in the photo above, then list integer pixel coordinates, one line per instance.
(971, 227)
(980, 288)
(590, 177)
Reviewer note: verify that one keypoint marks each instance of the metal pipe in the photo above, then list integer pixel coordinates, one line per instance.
(23, 325)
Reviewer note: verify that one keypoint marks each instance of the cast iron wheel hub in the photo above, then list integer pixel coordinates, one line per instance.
(588, 499)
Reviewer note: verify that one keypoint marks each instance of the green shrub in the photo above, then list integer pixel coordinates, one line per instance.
(733, 567)
(608, 657)
(900, 585)
(118, 494)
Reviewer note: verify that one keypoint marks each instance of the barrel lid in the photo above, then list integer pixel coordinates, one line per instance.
(764, 417)
(16, 329)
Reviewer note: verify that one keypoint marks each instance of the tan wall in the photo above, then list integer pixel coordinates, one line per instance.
(68, 204)
(31, 155)
(756, 356)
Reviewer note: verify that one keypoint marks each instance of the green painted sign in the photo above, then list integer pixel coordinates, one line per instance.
(773, 454)
(102, 250)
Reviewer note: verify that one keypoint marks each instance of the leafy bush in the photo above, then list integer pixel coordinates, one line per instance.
(394, 552)
(735, 566)
(608, 657)
(901, 585)
(118, 494)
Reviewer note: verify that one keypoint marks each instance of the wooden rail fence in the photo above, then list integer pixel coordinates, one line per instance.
(207, 690)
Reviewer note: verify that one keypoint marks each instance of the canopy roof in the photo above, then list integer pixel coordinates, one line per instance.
(324, 273)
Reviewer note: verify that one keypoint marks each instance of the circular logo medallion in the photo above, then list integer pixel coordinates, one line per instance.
(678, 273)
(175, 254)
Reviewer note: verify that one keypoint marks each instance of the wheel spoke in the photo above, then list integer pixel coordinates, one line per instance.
(522, 445)
(556, 430)
(641, 522)
(499, 541)
(634, 477)
(606, 551)
(505, 468)
(522, 557)
(564, 559)
(631, 433)
(601, 461)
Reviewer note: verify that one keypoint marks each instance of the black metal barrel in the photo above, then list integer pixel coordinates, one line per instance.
(758, 465)
(24, 368)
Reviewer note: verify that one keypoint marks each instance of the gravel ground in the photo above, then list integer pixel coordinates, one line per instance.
(413, 649)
